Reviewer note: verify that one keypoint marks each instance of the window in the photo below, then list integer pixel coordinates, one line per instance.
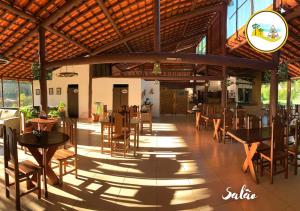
(201, 48)
(25, 93)
(10, 93)
(282, 93)
(239, 12)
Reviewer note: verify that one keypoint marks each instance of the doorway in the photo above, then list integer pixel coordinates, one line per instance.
(173, 101)
(120, 95)
(73, 107)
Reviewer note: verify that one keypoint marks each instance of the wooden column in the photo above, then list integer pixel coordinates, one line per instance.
(156, 25)
(274, 86)
(43, 71)
(90, 90)
(223, 20)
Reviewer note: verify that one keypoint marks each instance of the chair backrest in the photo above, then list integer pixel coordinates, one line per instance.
(119, 123)
(10, 148)
(70, 128)
(297, 135)
(134, 110)
(23, 122)
(240, 116)
(279, 140)
(227, 118)
(253, 122)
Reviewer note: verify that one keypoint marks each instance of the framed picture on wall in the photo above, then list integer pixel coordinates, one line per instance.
(50, 91)
(37, 91)
(58, 91)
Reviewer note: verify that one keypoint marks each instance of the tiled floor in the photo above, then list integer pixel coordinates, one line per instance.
(177, 168)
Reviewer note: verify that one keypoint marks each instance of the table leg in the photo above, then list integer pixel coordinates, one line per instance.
(135, 139)
(217, 123)
(102, 137)
(44, 172)
(248, 163)
(138, 135)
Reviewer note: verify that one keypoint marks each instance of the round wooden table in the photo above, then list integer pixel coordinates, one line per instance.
(49, 143)
(44, 124)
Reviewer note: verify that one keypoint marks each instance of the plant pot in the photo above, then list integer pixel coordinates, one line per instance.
(95, 117)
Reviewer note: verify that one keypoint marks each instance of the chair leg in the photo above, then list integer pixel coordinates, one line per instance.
(75, 166)
(7, 185)
(60, 172)
(39, 184)
(271, 171)
(295, 165)
(18, 202)
(286, 165)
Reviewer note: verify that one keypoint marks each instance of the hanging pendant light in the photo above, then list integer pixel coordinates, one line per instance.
(3, 60)
(156, 69)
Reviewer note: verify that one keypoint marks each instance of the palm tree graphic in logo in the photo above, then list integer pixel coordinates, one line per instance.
(259, 31)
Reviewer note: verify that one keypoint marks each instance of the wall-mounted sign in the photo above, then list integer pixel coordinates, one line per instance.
(124, 91)
(266, 31)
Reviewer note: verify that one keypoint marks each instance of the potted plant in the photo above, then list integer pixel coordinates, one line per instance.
(96, 115)
(61, 109)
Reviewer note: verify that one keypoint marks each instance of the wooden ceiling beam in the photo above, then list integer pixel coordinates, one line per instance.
(175, 58)
(108, 16)
(174, 78)
(169, 21)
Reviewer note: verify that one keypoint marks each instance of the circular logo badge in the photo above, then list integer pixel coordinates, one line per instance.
(266, 31)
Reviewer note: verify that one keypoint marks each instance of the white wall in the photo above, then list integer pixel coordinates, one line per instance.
(103, 90)
(61, 82)
(154, 98)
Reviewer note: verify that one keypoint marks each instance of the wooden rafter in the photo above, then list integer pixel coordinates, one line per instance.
(169, 21)
(108, 16)
(46, 24)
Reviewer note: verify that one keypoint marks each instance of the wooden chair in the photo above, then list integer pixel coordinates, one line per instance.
(239, 120)
(226, 124)
(146, 119)
(278, 149)
(20, 172)
(25, 128)
(68, 155)
(294, 149)
(119, 134)
(134, 111)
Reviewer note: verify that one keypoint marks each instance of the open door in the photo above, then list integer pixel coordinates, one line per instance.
(120, 95)
(73, 107)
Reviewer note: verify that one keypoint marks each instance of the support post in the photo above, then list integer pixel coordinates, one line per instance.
(156, 25)
(274, 86)
(43, 71)
(223, 17)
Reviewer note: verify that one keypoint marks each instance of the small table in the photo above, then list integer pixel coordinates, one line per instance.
(49, 143)
(252, 138)
(105, 123)
(135, 124)
(44, 124)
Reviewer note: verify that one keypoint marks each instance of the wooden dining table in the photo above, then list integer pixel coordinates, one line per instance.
(251, 139)
(43, 147)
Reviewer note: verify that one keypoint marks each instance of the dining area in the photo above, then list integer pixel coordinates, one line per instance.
(51, 143)
(270, 146)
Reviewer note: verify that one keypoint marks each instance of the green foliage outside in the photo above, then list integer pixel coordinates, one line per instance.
(282, 93)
